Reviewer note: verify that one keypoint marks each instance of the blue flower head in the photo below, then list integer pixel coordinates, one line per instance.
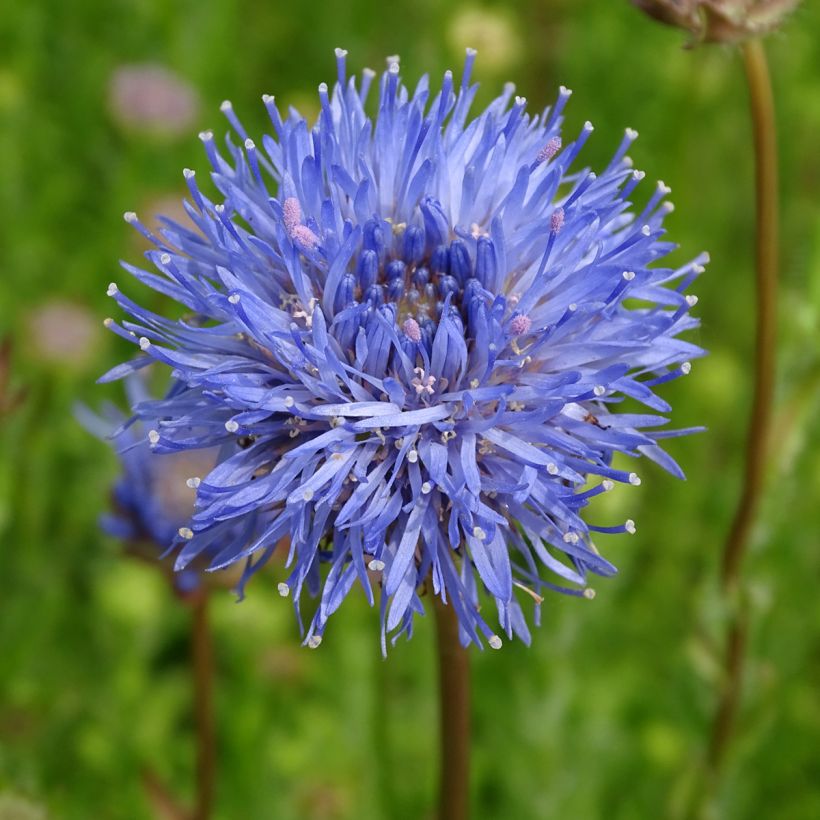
(410, 334)
(153, 497)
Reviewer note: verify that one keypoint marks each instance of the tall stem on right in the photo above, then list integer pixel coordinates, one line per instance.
(203, 670)
(766, 255)
(454, 718)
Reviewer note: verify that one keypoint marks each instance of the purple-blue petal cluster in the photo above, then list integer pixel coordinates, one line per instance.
(410, 334)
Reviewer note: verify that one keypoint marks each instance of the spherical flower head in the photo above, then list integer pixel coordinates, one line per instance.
(720, 21)
(424, 325)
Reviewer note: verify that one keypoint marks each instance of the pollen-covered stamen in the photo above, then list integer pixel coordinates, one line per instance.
(557, 220)
(412, 330)
(520, 325)
(423, 383)
(292, 220)
(552, 147)
(305, 236)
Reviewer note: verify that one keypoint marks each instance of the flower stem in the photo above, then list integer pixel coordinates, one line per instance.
(766, 253)
(203, 672)
(454, 689)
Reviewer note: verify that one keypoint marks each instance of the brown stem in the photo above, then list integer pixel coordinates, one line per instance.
(163, 804)
(724, 720)
(766, 253)
(203, 670)
(454, 690)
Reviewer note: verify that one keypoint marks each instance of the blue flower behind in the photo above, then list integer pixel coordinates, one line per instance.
(410, 335)
(153, 497)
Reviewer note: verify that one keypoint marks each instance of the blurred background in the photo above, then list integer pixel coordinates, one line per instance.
(606, 714)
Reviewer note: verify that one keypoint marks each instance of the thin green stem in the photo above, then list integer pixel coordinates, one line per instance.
(454, 689)
(203, 672)
(766, 252)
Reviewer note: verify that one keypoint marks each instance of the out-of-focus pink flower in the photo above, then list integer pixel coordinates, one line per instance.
(64, 333)
(150, 97)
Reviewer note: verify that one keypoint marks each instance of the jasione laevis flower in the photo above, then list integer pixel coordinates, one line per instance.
(720, 21)
(410, 335)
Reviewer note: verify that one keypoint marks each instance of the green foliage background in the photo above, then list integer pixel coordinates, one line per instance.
(604, 717)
